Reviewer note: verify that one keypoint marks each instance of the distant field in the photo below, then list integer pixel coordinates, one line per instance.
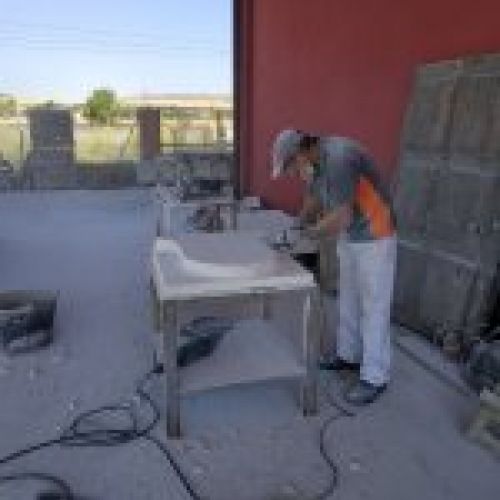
(10, 141)
(94, 143)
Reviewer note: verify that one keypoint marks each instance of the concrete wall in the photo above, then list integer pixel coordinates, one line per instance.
(344, 67)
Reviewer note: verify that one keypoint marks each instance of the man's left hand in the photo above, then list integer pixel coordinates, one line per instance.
(314, 232)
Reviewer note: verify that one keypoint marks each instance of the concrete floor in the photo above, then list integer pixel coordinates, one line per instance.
(247, 443)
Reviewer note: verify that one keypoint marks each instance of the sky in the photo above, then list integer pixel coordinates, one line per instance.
(62, 49)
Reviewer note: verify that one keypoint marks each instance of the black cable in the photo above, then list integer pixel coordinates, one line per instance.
(84, 431)
(62, 491)
(334, 480)
(80, 433)
(325, 428)
(27, 451)
(342, 409)
(344, 412)
(183, 478)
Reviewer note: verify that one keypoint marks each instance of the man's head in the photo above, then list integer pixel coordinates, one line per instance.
(294, 154)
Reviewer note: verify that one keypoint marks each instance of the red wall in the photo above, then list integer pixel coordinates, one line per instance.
(344, 67)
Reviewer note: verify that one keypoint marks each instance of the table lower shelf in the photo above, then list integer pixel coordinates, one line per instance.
(254, 351)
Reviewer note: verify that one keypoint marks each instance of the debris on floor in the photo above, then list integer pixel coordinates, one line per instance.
(26, 320)
(485, 428)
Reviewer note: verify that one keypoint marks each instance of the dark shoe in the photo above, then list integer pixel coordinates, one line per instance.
(364, 393)
(337, 364)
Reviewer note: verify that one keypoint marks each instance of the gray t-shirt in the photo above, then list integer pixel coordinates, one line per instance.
(347, 174)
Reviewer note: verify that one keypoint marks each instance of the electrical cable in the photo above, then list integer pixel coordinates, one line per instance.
(325, 428)
(80, 434)
(62, 491)
(344, 412)
(44, 42)
(85, 432)
(334, 479)
(16, 27)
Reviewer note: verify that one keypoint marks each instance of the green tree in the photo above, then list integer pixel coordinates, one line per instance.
(101, 107)
(8, 106)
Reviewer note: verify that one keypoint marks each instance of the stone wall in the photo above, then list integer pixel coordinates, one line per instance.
(216, 164)
(106, 175)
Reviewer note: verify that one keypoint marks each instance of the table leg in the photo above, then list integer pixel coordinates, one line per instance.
(310, 332)
(170, 330)
(327, 268)
(233, 216)
(323, 264)
(159, 220)
(266, 307)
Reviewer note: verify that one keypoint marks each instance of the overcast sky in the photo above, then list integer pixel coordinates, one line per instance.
(61, 49)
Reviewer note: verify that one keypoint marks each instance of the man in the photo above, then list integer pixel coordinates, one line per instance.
(347, 198)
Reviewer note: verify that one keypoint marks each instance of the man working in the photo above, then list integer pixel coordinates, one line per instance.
(346, 197)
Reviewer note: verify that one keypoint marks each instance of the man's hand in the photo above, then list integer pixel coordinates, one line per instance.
(332, 223)
(314, 232)
(310, 210)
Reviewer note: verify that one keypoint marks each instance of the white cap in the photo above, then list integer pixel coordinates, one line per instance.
(285, 146)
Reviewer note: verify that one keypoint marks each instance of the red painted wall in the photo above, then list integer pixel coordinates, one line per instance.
(345, 67)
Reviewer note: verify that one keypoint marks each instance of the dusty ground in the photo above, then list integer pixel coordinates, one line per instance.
(247, 443)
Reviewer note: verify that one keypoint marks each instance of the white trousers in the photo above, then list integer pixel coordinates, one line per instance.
(366, 279)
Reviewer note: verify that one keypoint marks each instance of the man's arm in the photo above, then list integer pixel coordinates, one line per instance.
(334, 221)
(310, 210)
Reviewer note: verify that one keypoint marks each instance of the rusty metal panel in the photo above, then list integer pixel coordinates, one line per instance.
(408, 284)
(473, 115)
(429, 115)
(416, 187)
(490, 222)
(445, 292)
(474, 312)
(448, 200)
(454, 214)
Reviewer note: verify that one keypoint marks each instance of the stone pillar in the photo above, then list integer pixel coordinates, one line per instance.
(52, 130)
(149, 133)
(50, 163)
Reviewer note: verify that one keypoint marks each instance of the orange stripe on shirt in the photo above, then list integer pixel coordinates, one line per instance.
(373, 207)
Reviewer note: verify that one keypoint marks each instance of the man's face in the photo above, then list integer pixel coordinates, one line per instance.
(300, 166)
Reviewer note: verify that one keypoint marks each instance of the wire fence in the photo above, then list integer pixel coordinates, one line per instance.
(181, 128)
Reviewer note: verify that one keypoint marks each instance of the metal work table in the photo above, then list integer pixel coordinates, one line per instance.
(233, 266)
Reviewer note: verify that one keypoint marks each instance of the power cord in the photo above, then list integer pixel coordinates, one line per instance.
(84, 431)
(62, 490)
(325, 428)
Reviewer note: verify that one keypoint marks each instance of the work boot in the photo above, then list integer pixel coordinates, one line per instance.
(337, 364)
(364, 393)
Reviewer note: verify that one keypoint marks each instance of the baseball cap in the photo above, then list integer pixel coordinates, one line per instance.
(285, 147)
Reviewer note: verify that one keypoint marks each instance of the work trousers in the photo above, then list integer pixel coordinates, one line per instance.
(366, 282)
